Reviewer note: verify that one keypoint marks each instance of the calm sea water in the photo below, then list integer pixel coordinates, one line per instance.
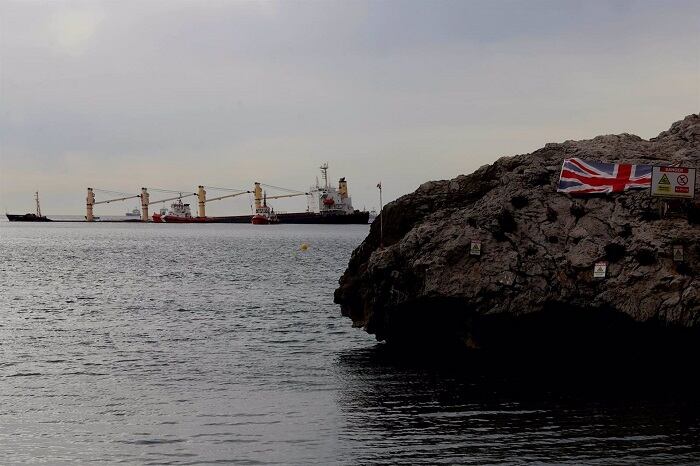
(192, 344)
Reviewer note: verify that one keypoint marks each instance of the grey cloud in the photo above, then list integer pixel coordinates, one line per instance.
(402, 91)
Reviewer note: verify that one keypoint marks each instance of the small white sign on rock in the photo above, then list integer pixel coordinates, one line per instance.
(475, 249)
(600, 269)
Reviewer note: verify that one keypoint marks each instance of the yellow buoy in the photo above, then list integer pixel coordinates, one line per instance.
(304, 246)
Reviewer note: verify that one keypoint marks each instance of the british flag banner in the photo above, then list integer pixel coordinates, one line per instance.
(582, 177)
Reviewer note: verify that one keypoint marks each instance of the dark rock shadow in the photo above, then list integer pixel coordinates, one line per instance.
(410, 406)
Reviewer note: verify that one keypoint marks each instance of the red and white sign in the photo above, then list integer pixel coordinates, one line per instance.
(673, 182)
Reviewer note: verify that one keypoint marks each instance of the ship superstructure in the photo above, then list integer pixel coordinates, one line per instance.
(326, 199)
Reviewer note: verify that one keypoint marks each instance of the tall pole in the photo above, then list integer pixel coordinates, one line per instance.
(202, 198)
(144, 204)
(38, 208)
(90, 203)
(381, 217)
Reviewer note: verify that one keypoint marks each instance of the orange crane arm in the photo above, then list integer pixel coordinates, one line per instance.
(118, 199)
(227, 196)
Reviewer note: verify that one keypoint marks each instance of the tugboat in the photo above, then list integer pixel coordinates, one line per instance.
(158, 216)
(29, 217)
(179, 213)
(264, 215)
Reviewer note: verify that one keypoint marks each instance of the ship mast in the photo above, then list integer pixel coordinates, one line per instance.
(324, 173)
(38, 208)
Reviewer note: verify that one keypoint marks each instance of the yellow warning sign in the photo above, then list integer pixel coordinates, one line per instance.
(664, 180)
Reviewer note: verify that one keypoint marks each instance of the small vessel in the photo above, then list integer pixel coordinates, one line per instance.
(264, 215)
(179, 213)
(37, 217)
(134, 213)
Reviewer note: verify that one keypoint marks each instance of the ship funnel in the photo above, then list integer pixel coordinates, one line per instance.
(343, 188)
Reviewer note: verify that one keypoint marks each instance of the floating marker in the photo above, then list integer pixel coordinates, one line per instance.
(475, 248)
(678, 253)
(600, 270)
(304, 246)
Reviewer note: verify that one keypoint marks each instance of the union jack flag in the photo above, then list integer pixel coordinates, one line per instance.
(581, 177)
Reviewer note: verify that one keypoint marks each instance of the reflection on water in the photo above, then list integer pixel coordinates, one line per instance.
(414, 408)
(198, 344)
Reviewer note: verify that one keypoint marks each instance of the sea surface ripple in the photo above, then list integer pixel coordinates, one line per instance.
(202, 344)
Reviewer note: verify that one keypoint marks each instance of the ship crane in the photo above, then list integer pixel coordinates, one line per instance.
(287, 195)
(202, 197)
(91, 200)
(257, 190)
(181, 196)
(144, 196)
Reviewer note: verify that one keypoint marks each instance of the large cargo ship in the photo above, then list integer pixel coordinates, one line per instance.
(326, 205)
(37, 217)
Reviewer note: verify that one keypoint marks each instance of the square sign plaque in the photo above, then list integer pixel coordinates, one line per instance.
(673, 182)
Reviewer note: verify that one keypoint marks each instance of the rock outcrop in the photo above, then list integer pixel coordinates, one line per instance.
(533, 282)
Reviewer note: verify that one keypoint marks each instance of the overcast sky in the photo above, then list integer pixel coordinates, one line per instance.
(172, 94)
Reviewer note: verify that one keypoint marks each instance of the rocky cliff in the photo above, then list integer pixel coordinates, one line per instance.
(533, 283)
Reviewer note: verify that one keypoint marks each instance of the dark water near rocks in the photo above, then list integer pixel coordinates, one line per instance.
(190, 344)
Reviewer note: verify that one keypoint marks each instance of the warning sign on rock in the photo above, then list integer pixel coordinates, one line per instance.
(600, 269)
(678, 253)
(673, 182)
(475, 249)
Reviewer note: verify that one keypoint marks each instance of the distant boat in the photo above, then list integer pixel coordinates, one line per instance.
(264, 215)
(179, 213)
(37, 217)
(134, 213)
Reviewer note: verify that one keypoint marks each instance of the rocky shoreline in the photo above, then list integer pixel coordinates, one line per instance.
(533, 283)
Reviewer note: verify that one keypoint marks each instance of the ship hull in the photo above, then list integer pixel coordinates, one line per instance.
(26, 218)
(173, 219)
(261, 220)
(306, 218)
(232, 219)
(310, 218)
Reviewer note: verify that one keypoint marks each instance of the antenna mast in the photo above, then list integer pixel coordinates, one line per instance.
(324, 173)
(38, 208)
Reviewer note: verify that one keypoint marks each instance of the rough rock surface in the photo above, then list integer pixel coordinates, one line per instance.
(538, 251)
